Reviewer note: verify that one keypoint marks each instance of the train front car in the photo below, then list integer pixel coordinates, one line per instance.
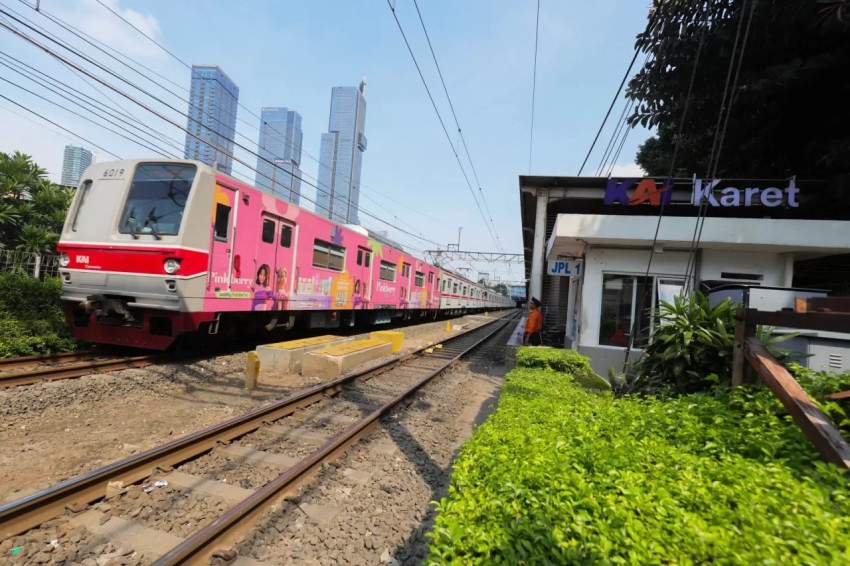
(134, 252)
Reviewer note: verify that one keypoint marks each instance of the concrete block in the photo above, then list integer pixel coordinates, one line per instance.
(230, 493)
(127, 534)
(394, 336)
(286, 357)
(338, 360)
(319, 514)
(357, 476)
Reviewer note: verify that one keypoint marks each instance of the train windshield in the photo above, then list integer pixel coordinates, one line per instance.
(156, 200)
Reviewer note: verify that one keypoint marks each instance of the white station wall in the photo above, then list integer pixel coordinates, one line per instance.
(633, 262)
(597, 261)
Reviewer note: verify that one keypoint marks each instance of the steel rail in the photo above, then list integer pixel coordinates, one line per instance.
(27, 361)
(53, 373)
(30, 511)
(229, 528)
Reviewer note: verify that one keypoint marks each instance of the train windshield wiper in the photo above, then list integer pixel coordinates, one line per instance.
(150, 220)
(131, 223)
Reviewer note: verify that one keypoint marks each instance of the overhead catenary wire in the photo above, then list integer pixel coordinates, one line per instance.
(533, 87)
(242, 106)
(665, 198)
(440, 118)
(616, 96)
(31, 111)
(720, 131)
(163, 117)
(457, 123)
(139, 141)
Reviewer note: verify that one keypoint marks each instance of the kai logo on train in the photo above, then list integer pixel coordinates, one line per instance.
(715, 193)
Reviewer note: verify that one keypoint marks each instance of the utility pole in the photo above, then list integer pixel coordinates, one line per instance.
(458, 236)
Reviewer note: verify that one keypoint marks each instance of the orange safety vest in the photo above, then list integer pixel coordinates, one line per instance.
(534, 322)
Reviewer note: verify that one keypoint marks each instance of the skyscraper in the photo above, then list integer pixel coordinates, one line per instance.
(280, 143)
(212, 116)
(341, 155)
(74, 162)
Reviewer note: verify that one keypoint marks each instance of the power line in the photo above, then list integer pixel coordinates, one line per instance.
(4, 97)
(341, 174)
(534, 87)
(440, 118)
(170, 121)
(457, 123)
(616, 96)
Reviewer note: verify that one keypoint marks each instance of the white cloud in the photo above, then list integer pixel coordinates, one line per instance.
(628, 170)
(97, 21)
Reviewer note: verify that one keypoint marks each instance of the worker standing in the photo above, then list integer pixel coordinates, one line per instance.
(533, 325)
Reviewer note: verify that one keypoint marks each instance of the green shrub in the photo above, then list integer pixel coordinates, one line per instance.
(820, 384)
(31, 317)
(564, 361)
(562, 475)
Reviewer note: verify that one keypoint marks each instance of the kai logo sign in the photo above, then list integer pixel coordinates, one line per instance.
(716, 193)
(632, 192)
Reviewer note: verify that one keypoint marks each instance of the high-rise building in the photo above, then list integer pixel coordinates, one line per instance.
(213, 98)
(341, 155)
(280, 153)
(74, 162)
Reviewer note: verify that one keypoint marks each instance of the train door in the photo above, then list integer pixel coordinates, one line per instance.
(274, 263)
(221, 263)
(362, 275)
(405, 281)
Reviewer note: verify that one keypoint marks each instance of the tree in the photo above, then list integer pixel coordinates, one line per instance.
(789, 112)
(32, 209)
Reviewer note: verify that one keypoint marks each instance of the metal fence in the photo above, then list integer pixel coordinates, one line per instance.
(34, 265)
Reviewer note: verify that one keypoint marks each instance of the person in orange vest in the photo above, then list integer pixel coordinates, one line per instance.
(533, 325)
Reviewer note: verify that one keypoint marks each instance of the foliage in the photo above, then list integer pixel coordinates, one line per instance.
(31, 317)
(820, 384)
(562, 475)
(691, 348)
(786, 116)
(32, 209)
(563, 361)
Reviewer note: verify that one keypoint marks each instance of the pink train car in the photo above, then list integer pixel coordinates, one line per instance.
(153, 250)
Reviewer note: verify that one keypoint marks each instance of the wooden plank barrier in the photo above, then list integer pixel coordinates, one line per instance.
(817, 427)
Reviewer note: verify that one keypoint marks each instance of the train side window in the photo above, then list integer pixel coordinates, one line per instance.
(359, 257)
(387, 271)
(368, 258)
(268, 230)
(431, 277)
(222, 221)
(85, 192)
(420, 279)
(328, 256)
(285, 236)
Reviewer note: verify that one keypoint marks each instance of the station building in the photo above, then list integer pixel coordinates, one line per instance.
(598, 257)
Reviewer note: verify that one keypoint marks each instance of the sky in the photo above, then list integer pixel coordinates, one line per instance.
(291, 53)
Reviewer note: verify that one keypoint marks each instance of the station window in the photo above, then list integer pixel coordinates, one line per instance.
(285, 236)
(420, 279)
(222, 221)
(627, 303)
(268, 231)
(328, 256)
(387, 271)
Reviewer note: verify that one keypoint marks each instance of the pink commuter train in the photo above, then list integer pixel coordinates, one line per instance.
(153, 250)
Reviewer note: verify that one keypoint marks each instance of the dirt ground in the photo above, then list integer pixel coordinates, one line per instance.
(55, 431)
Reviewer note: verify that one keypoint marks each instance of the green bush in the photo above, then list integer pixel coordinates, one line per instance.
(820, 384)
(562, 475)
(31, 317)
(564, 361)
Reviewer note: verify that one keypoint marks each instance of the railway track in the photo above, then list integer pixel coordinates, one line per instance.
(297, 435)
(69, 365)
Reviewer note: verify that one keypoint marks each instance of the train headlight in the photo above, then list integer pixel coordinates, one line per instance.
(64, 259)
(171, 265)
